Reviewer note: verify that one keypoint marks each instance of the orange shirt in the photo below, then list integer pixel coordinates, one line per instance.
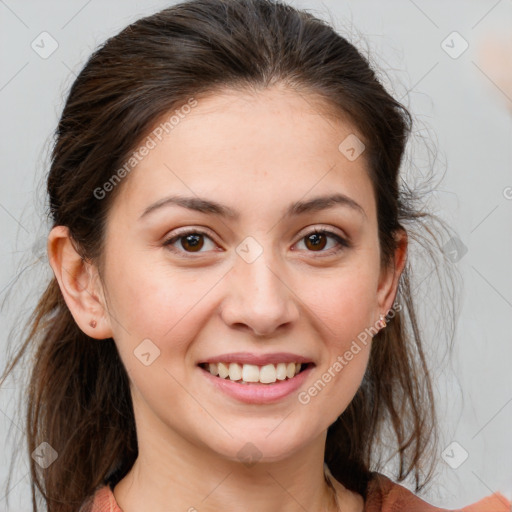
(383, 495)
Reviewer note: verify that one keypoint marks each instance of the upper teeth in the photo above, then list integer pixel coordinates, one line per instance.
(253, 373)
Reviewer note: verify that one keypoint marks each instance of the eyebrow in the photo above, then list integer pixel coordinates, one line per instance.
(206, 206)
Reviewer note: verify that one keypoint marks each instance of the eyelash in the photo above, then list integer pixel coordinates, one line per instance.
(343, 243)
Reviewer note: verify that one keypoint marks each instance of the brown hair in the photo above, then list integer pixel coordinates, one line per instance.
(79, 397)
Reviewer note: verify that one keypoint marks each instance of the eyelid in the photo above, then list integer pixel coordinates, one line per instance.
(190, 229)
(315, 228)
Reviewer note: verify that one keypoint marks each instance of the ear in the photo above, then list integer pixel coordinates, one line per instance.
(390, 275)
(79, 283)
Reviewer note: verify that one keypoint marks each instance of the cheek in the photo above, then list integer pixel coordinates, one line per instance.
(345, 308)
(344, 302)
(344, 305)
(151, 299)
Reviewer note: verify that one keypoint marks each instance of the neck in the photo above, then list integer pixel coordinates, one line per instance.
(162, 481)
(173, 473)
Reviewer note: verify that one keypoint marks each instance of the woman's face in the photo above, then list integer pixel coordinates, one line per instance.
(251, 282)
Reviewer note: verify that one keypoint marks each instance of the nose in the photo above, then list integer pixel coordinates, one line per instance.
(258, 298)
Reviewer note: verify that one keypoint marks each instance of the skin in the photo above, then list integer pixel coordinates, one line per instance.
(292, 298)
(495, 53)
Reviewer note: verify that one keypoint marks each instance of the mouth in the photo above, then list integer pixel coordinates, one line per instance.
(254, 374)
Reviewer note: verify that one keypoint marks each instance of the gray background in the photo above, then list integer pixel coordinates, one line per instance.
(458, 104)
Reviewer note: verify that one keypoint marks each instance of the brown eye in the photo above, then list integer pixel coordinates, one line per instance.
(193, 242)
(316, 241)
(190, 242)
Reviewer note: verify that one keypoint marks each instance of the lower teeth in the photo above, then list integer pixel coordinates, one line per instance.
(248, 383)
(265, 383)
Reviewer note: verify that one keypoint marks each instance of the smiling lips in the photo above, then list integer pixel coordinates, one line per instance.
(248, 368)
(248, 373)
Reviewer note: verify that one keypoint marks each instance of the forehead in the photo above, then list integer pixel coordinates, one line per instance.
(270, 145)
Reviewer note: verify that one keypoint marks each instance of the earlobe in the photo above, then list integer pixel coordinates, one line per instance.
(390, 276)
(79, 283)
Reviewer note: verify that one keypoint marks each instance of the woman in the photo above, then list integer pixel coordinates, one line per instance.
(230, 309)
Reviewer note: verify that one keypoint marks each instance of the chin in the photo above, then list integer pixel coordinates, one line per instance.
(264, 445)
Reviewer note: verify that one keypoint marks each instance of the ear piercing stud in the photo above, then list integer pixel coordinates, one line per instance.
(382, 322)
(93, 323)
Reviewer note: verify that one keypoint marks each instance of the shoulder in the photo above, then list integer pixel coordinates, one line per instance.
(384, 495)
(102, 500)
